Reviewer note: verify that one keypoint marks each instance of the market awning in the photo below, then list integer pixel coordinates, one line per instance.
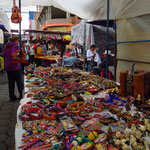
(57, 25)
(47, 32)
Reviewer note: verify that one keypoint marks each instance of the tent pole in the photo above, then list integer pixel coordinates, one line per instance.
(124, 42)
(20, 27)
(84, 49)
(20, 49)
(107, 38)
(115, 52)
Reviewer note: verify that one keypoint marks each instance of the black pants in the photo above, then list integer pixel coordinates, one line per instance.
(38, 62)
(62, 53)
(31, 59)
(23, 65)
(14, 76)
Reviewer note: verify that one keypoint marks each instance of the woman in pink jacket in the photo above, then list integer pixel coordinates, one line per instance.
(12, 69)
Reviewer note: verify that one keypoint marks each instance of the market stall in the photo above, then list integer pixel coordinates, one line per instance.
(70, 109)
(65, 109)
(55, 36)
(132, 27)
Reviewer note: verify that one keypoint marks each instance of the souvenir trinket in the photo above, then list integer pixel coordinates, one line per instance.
(87, 146)
(100, 147)
(68, 123)
(92, 128)
(105, 121)
(101, 138)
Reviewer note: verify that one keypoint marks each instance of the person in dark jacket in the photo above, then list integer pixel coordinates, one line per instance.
(12, 69)
(97, 70)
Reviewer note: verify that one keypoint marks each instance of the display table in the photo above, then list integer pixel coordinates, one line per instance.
(100, 106)
(18, 129)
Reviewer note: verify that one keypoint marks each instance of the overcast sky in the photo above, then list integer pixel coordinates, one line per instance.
(25, 16)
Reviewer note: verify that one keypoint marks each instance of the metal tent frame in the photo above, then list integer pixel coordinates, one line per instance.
(122, 42)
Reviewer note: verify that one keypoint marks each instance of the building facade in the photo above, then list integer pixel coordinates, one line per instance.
(54, 19)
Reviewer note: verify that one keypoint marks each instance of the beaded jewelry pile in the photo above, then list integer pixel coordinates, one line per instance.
(70, 111)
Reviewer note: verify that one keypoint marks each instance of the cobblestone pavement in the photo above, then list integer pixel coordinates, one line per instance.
(8, 111)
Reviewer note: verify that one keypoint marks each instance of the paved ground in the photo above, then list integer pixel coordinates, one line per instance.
(7, 116)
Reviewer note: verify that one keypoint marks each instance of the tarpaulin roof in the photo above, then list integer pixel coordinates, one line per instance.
(26, 2)
(97, 9)
(94, 9)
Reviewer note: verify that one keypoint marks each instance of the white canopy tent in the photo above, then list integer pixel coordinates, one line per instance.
(97, 9)
(93, 9)
(132, 18)
(26, 2)
(4, 20)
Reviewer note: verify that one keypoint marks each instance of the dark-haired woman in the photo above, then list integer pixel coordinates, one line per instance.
(12, 69)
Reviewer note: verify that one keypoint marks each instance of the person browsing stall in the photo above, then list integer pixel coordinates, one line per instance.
(12, 69)
(32, 53)
(39, 50)
(44, 49)
(67, 54)
(39, 53)
(25, 55)
(102, 65)
(93, 57)
(69, 61)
